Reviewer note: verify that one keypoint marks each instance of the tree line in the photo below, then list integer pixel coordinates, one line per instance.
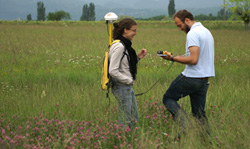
(88, 13)
(221, 15)
(236, 9)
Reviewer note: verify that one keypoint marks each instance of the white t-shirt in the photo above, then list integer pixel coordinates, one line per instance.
(201, 37)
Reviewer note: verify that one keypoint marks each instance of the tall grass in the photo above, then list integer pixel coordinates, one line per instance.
(51, 95)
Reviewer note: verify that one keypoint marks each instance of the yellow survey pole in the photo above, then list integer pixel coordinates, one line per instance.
(110, 18)
(110, 33)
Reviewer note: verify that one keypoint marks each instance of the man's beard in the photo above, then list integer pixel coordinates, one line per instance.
(187, 28)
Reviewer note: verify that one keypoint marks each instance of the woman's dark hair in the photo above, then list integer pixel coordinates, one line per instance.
(183, 14)
(121, 25)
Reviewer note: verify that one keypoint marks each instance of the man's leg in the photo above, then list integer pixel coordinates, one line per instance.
(176, 91)
(198, 102)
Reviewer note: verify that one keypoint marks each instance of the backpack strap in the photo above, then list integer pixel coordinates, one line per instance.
(124, 52)
(115, 41)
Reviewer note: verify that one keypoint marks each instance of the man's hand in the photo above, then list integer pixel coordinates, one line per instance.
(192, 59)
(168, 56)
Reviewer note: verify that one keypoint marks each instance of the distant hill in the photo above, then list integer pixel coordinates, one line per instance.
(13, 9)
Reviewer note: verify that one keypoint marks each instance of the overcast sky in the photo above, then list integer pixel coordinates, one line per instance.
(12, 9)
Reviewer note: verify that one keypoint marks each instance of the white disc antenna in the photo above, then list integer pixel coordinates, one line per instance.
(111, 17)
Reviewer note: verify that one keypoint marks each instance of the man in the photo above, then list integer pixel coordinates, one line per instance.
(193, 81)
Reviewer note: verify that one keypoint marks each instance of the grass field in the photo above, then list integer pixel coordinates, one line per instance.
(51, 96)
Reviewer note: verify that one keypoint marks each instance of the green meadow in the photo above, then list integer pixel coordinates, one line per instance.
(51, 97)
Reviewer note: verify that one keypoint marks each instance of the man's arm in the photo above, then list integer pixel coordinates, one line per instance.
(192, 59)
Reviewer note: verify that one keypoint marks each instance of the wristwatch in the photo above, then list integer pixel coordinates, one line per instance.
(172, 59)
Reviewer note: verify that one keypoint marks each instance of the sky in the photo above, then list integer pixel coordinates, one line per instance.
(13, 9)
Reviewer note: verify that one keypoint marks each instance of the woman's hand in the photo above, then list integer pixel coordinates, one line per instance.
(142, 53)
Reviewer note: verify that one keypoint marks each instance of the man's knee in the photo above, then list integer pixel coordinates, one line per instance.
(166, 99)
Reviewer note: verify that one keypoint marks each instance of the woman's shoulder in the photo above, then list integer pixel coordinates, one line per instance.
(118, 46)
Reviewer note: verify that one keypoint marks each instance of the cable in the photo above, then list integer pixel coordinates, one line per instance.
(156, 81)
(107, 22)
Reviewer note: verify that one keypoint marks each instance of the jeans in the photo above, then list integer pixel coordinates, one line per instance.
(127, 106)
(197, 90)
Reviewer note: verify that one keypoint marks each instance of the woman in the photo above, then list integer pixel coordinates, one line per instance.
(123, 69)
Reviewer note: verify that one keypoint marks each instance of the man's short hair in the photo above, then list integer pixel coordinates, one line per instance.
(183, 14)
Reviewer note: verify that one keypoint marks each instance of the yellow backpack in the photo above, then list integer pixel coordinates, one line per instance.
(105, 81)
